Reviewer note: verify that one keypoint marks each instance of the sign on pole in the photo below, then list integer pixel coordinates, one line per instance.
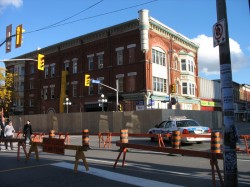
(219, 33)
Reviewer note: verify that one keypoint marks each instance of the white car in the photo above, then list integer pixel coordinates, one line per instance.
(185, 126)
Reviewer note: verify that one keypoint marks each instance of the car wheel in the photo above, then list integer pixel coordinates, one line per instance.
(199, 142)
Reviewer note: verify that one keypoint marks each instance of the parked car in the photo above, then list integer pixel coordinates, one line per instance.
(185, 126)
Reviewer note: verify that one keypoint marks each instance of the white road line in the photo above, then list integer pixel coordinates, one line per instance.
(116, 176)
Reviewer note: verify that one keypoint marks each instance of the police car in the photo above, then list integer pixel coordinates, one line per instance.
(185, 126)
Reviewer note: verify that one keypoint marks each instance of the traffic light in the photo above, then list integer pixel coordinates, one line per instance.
(19, 35)
(40, 62)
(172, 87)
(120, 107)
(87, 80)
(8, 38)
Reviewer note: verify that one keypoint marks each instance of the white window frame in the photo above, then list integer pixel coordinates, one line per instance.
(100, 59)
(189, 88)
(52, 70)
(46, 71)
(66, 65)
(91, 61)
(158, 56)
(119, 55)
(159, 84)
(75, 63)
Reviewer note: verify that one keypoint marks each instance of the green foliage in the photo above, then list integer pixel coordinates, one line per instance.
(6, 90)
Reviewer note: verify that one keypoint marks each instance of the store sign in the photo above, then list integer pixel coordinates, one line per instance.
(210, 103)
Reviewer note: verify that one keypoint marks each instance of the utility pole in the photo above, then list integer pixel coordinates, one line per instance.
(221, 38)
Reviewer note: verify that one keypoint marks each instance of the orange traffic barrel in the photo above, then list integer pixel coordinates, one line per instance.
(215, 142)
(85, 137)
(52, 134)
(124, 135)
(176, 139)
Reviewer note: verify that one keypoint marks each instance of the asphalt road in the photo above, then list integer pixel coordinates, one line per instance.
(142, 168)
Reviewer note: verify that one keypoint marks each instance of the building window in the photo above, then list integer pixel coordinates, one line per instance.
(52, 70)
(66, 65)
(46, 72)
(32, 102)
(158, 57)
(42, 95)
(176, 63)
(191, 89)
(100, 87)
(131, 53)
(74, 67)
(184, 88)
(74, 60)
(183, 65)
(100, 61)
(120, 84)
(32, 84)
(91, 61)
(74, 87)
(191, 66)
(159, 84)
(188, 65)
(119, 54)
(188, 88)
(32, 68)
(52, 92)
(91, 89)
(22, 71)
(45, 93)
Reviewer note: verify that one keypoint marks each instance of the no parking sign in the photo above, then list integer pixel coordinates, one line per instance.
(219, 33)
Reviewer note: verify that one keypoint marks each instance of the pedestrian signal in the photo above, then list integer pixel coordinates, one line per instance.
(87, 80)
(40, 62)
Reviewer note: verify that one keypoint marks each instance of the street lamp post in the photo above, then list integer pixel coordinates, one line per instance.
(102, 100)
(67, 102)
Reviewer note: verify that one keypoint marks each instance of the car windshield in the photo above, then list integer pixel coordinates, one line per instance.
(187, 123)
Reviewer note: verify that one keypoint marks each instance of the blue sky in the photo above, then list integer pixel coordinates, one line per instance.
(192, 18)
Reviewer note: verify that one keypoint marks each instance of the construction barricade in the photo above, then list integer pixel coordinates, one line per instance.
(204, 154)
(247, 147)
(52, 144)
(103, 141)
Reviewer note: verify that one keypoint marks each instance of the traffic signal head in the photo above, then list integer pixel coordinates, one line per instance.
(120, 107)
(172, 87)
(87, 80)
(40, 62)
(19, 35)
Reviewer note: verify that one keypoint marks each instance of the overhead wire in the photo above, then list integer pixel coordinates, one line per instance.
(54, 24)
(90, 17)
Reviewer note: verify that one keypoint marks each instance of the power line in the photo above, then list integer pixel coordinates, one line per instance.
(55, 24)
(111, 12)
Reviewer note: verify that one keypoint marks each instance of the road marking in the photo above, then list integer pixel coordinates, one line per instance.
(21, 168)
(116, 176)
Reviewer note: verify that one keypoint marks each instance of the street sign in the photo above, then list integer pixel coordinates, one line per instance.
(95, 81)
(219, 33)
(167, 98)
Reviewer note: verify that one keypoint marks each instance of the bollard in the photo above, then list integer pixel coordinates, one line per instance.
(176, 139)
(52, 134)
(215, 142)
(124, 135)
(85, 137)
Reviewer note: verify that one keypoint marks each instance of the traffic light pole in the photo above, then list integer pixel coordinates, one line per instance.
(115, 89)
(229, 129)
(18, 59)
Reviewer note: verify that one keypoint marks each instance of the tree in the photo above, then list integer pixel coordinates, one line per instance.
(6, 90)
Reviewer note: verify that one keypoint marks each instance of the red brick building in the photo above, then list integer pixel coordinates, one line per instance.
(146, 57)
